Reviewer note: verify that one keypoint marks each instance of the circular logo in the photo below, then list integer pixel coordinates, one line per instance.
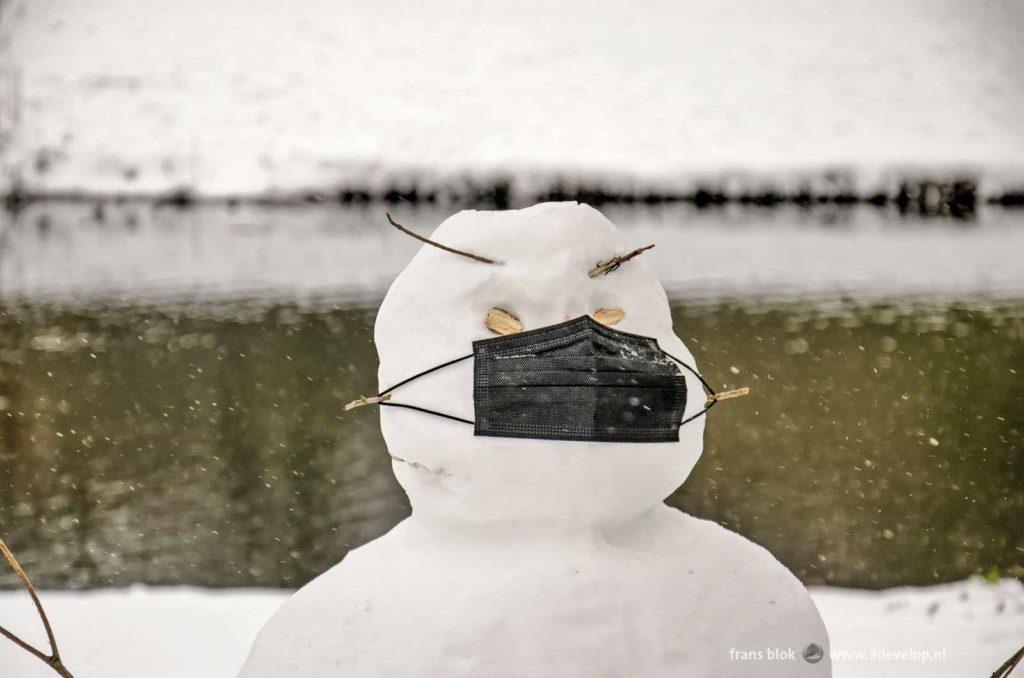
(813, 653)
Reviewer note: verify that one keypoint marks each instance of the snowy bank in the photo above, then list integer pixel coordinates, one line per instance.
(948, 631)
(264, 98)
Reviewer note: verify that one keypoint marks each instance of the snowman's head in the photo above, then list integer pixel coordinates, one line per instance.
(437, 307)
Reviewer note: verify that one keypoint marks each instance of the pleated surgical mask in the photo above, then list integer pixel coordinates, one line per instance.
(577, 380)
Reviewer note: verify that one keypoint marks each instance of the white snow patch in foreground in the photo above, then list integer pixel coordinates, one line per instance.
(948, 631)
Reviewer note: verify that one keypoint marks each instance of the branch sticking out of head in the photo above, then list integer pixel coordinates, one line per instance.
(474, 257)
(367, 400)
(612, 264)
(726, 395)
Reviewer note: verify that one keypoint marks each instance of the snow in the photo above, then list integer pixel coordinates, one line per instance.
(525, 556)
(128, 633)
(244, 97)
(203, 633)
(433, 312)
(965, 628)
(351, 255)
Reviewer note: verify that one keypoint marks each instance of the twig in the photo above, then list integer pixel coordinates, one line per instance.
(53, 659)
(367, 400)
(1007, 668)
(613, 263)
(725, 395)
(474, 257)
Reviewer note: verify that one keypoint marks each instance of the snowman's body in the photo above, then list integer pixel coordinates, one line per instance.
(525, 557)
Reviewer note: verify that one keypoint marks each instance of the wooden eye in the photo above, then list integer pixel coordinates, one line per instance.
(608, 316)
(501, 321)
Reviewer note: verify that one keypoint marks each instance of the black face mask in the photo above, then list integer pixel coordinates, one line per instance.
(578, 380)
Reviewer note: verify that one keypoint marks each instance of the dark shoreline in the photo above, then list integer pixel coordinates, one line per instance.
(958, 198)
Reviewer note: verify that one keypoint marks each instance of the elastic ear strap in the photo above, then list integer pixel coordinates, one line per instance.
(388, 390)
(703, 381)
(707, 407)
(423, 409)
(707, 387)
(423, 373)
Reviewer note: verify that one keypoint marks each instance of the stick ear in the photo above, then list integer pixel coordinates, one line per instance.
(607, 267)
(474, 257)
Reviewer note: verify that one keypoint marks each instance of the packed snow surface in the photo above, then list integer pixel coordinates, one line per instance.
(265, 97)
(948, 631)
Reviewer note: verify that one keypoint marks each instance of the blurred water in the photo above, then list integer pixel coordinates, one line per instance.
(116, 253)
(188, 429)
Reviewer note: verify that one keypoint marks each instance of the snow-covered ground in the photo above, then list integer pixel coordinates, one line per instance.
(955, 630)
(263, 97)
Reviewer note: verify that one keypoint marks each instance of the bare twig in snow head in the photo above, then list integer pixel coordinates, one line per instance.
(53, 659)
(367, 400)
(474, 257)
(612, 264)
(725, 395)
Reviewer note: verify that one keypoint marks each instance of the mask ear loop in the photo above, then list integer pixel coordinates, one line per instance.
(384, 397)
(713, 397)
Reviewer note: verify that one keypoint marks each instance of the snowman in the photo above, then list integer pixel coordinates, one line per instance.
(533, 403)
